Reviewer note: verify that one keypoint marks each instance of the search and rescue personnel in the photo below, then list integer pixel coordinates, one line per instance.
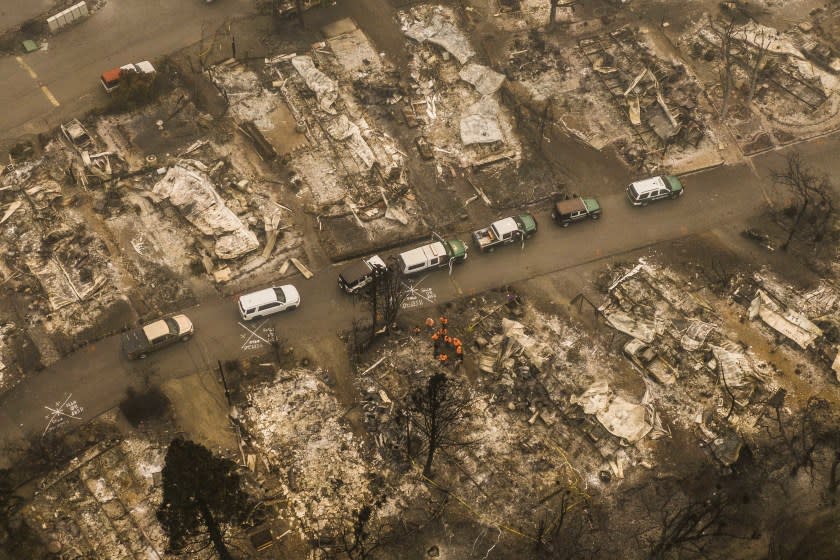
(447, 349)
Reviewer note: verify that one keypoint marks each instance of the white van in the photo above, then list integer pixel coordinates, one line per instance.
(268, 302)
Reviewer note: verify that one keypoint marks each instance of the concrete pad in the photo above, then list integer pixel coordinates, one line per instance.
(339, 27)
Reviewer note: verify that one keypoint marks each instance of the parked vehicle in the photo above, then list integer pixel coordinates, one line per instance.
(139, 343)
(646, 359)
(505, 231)
(76, 134)
(433, 255)
(110, 79)
(358, 275)
(575, 209)
(268, 302)
(641, 193)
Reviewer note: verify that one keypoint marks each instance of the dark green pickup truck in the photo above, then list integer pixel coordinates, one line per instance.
(575, 209)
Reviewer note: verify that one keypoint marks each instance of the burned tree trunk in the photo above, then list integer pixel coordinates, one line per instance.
(202, 494)
(761, 47)
(808, 190)
(725, 35)
(440, 409)
(832, 478)
(691, 523)
(299, 12)
(393, 295)
(214, 531)
(796, 223)
(374, 303)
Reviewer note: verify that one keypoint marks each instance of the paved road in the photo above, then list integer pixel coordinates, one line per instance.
(42, 89)
(15, 12)
(97, 376)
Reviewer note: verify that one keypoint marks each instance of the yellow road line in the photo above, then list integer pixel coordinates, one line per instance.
(44, 89)
(50, 96)
(26, 67)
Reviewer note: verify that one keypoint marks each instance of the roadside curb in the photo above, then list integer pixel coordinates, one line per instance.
(702, 169)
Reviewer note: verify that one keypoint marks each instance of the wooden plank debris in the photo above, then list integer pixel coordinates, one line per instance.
(11, 210)
(302, 268)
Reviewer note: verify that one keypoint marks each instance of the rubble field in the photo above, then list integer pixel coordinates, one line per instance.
(677, 402)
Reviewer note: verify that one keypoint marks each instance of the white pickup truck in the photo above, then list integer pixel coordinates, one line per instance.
(110, 79)
(504, 231)
(434, 255)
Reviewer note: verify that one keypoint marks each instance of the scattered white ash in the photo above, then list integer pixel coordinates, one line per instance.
(249, 100)
(87, 509)
(513, 466)
(297, 423)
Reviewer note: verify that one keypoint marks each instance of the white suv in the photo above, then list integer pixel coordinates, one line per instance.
(641, 193)
(268, 302)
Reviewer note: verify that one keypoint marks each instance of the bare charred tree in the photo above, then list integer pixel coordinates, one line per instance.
(725, 35)
(816, 427)
(439, 411)
(699, 515)
(393, 295)
(832, 471)
(762, 44)
(359, 340)
(9, 500)
(690, 525)
(374, 300)
(17, 538)
(386, 297)
(275, 14)
(299, 12)
(811, 194)
(360, 537)
(561, 530)
(793, 445)
(202, 495)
